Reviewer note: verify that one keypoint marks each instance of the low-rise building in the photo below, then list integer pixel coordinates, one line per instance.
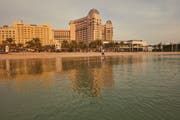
(21, 33)
(137, 45)
(166, 47)
(132, 45)
(61, 35)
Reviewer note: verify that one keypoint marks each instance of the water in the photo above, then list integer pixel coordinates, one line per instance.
(114, 88)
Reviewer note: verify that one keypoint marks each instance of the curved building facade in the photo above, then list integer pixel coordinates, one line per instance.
(91, 28)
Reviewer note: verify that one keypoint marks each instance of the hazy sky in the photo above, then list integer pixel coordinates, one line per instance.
(150, 20)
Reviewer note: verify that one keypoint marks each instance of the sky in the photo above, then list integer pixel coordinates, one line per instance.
(151, 20)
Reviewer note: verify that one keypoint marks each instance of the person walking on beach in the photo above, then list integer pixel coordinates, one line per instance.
(102, 52)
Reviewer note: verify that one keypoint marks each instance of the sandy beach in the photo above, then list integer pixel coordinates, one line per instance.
(30, 55)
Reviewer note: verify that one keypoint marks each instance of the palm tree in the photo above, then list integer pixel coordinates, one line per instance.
(34, 44)
(97, 44)
(19, 47)
(110, 45)
(82, 46)
(121, 44)
(73, 45)
(49, 48)
(9, 42)
(65, 44)
(160, 47)
(1, 48)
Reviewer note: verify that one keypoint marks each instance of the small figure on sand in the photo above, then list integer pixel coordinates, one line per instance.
(102, 52)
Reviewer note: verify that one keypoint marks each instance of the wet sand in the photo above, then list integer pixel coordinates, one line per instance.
(29, 55)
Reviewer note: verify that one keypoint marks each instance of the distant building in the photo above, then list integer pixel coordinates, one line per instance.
(90, 28)
(166, 47)
(21, 33)
(127, 45)
(7, 32)
(26, 32)
(137, 45)
(107, 32)
(85, 29)
(61, 35)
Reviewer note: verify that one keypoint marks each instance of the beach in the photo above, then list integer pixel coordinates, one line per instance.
(29, 55)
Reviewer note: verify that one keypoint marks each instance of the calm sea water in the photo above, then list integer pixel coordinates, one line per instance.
(111, 88)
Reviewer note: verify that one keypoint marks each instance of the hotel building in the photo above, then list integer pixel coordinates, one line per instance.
(107, 31)
(61, 35)
(85, 29)
(21, 33)
(90, 28)
(7, 32)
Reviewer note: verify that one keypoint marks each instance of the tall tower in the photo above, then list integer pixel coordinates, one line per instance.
(108, 31)
(94, 25)
(90, 28)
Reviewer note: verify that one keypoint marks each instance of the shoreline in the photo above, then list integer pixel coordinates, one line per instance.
(30, 55)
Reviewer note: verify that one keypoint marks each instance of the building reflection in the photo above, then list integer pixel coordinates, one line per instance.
(21, 71)
(98, 76)
(89, 76)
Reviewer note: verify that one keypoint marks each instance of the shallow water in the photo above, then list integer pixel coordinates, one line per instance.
(111, 88)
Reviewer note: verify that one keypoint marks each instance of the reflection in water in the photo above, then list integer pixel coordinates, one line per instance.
(89, 76)
(90, 81)
(126, 87)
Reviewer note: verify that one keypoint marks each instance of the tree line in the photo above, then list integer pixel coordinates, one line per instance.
(35, 45)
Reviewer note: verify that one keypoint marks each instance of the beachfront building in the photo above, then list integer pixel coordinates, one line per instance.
(131, 45)
(90, 28)
(21, 33)
(59, 36)
(7, 32)
(166, 47)
(107, 32)
(26, 32)
(137, 45)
